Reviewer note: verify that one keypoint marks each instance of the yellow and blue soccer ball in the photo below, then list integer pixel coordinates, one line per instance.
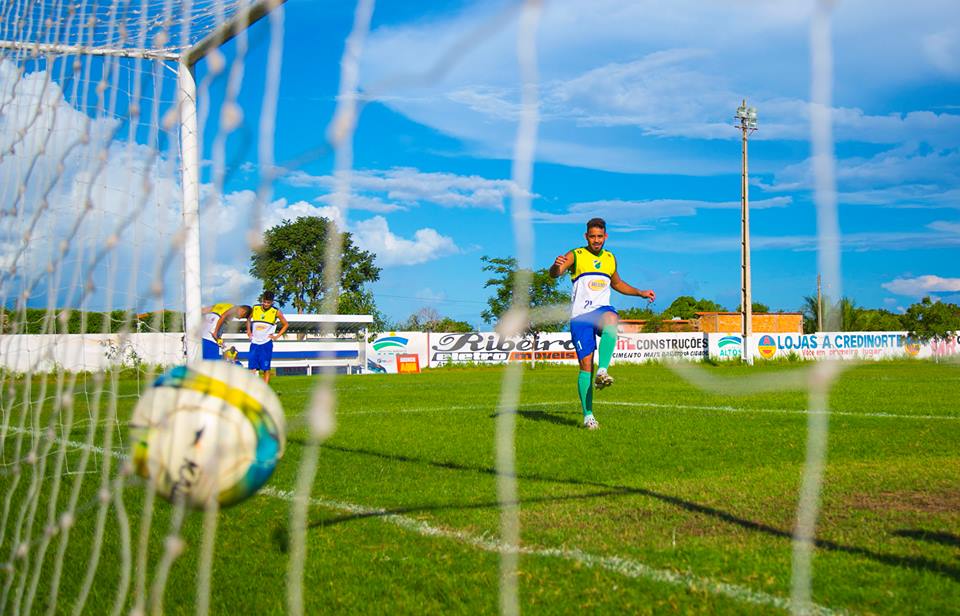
(208, 431)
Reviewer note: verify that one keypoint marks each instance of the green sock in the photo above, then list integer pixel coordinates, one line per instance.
(590, 396)
(585, 387)
(608, 342)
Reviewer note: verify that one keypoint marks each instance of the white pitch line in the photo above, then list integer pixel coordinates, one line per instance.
(68, 443)
(654, 405)
(736, 409)
(617, 564)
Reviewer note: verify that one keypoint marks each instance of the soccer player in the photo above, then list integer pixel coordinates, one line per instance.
(214, 318)
(593, 271)
(262, 331)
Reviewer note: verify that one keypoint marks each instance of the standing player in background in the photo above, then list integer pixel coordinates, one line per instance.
(593, 271)
(262, 331)
(214, 317)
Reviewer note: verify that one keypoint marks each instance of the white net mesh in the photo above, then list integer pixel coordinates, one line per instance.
(107, 172)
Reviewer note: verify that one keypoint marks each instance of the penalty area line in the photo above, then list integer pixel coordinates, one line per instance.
(617, 564)
(656, 405)
(740, 409)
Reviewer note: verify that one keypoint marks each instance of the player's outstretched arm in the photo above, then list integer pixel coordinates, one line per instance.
(620, 285)
(561, 264)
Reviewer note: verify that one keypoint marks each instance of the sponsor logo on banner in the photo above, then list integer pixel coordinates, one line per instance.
(647, 347)
(385, 350)
(491, 348)
(387, 344)
(597, 284)
(767, 346)
(911, 346)
(731, 346)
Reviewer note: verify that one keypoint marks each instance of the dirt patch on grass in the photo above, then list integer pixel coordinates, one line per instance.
(947, 501)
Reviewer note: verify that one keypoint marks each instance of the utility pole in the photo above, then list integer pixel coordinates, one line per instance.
(747, 123)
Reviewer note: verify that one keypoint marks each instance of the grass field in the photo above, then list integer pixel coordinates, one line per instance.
(682, 502)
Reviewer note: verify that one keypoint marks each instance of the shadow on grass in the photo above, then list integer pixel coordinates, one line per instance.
(545, 416)
(281, 538)
(909, 562)
(929, 536)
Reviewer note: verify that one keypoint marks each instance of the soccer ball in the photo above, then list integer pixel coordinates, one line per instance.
(210, 430)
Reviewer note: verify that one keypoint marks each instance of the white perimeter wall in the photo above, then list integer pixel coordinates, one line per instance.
(88, 352)
(79, 352)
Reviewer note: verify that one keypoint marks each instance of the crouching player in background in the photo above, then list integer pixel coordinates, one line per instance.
(214, 318)
(593, 271)
(262, 331)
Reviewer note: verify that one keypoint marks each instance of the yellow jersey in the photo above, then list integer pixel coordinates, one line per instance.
(591, 276)
(263, 323)
(210, 320)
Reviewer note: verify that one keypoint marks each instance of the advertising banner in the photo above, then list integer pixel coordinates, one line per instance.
(492, 348)
(382, 350)
(831, 345)
(638, 348)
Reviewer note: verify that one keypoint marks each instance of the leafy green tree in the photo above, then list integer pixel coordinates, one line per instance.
(929, 320)
(869, 320)
(843, 315)
(811, 311)
(686, 307)
(293, 260)
(756, 307)
(544, 291)
(637, 314)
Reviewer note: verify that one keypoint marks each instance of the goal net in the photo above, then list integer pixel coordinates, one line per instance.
(120, 136)
(105, 186)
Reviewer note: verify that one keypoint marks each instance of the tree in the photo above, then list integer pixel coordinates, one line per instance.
(929, 320)
(544, 291)
(843, 315)
(637, 314)
(755, 307)
(293, 260)
(686, 307)
(811, 313)
(880, 320)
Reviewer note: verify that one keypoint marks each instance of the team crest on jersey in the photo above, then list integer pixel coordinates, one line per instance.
(596, 264)
(598, 284)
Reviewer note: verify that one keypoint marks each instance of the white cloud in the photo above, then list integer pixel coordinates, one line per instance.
(280, 211)
(405, 186)
(943, 51)
(71, 182)
(224, 281)
(629, 214)
(375, 235)
(429, 295)
(364, 203)
(902, 176)
(609, 64)
(849, 242)
(922, 285)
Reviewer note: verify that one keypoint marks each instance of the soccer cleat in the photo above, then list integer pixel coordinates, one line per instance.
(590, 423)
(603, 379)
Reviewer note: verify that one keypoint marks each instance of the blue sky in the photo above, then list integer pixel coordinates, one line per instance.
(637, 103)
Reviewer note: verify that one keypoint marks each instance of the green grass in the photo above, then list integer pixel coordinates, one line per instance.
(676, 480)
